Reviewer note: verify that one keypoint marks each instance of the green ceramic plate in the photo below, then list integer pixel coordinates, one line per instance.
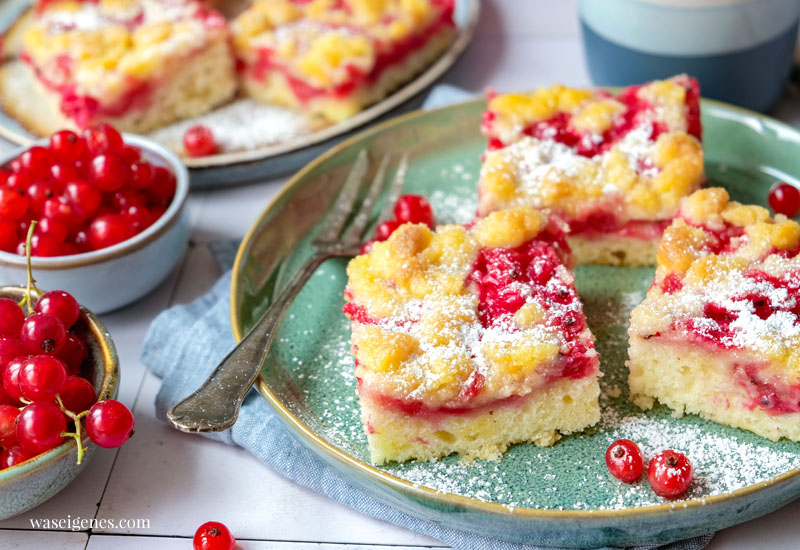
(557, 496)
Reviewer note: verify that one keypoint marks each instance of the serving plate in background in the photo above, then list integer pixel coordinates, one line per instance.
(283, 156)
(557, 496)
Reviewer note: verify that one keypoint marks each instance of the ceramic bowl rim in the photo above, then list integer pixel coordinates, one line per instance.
(108, 389)
(128, 246)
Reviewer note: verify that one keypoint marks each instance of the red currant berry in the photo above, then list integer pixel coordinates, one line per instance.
(53, 229)
(13, 456)
(4, 175)
(414, 209)
(139, 217)
(670, 474)
(108, 230)
(11, 318)
(163, 185)
(199, 141)
(41, 378)
(108, 172)
(81, 240)
(62, 174)
(20, 182)
(73, 354)
(13, 203)
(8, 425)
(40, 425)
(38, 194)
(8, 235)
(367, 246)
(126, 197)
(84, 197)
(11, 378)
(67, 146)
(784, 198)
(141, 175)
(131, 154)
(213, 535)
(59, 208)
(36, 162)
(385, 230)
(62, 305)
(109, 423)
(10, 348)
(4, 399)
(624, 460)
(103, 138)
(15, 165)
(43, 333)
(77, 394)
(42, 246)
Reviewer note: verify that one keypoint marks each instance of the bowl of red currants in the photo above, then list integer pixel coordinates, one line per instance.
(111, 223)
(60, 373)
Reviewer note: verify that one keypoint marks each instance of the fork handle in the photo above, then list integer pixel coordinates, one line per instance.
(215, 405)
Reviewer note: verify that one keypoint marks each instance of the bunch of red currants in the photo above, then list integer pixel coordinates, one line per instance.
(87, 191)
(44, 398)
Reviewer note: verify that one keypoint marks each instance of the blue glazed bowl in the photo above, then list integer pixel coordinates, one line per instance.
(741, 51)
(107, 279)
(36, 480)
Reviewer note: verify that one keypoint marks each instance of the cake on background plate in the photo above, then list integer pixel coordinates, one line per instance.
(470, 339)
(613, 167)
(719, 332)
(333, 58)
(136, 64)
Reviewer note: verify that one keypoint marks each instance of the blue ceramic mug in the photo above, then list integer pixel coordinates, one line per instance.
(740, 50)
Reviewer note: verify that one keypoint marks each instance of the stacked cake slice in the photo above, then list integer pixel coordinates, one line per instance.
(470, 339)
(614, 168)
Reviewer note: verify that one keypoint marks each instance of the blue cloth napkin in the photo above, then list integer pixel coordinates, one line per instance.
(186, 342)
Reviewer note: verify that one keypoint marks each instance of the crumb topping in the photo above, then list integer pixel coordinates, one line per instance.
(728, 275)
(599, 161)
(97, 48)
(637, 179)
(326, 42)
(465, 316)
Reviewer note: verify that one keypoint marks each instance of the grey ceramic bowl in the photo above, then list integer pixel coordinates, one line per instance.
(34, 481)
(113, 277)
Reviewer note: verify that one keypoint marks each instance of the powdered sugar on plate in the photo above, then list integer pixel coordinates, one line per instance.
(241, 125)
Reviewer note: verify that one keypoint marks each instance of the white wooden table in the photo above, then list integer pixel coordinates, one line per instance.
(179, 481)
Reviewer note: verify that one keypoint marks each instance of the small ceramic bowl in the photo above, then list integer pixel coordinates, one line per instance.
(34, 481)
(113, 277)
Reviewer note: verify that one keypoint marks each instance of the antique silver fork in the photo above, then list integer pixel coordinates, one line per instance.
(215, 405)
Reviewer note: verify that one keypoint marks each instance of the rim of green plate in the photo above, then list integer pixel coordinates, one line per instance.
(425, 492)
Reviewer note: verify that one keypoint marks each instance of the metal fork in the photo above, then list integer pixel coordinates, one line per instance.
(215, 405)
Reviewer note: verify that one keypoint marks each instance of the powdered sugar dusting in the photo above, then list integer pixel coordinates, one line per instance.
(242, 125)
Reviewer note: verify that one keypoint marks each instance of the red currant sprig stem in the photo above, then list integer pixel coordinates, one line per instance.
(76, 418)
(26, 300)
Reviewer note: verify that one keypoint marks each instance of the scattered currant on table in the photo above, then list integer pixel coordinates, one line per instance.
(624, 460)
(670, 474)
(784, 198)
(198, 141)
(87, 191)
(213, 535)
(407, 209)
(43, 398)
